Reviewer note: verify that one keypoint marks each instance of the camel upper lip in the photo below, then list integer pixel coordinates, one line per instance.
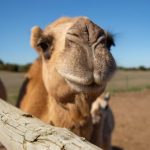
(93, 84)
(86, 80)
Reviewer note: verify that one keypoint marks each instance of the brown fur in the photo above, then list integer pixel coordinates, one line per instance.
(67, 78)
(32, 88)
(3, 94)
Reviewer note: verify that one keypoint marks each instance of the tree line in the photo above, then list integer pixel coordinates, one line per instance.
(13, 67)
(24, 68)
(142, 68)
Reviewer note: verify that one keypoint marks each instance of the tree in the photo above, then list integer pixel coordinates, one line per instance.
(1, 62)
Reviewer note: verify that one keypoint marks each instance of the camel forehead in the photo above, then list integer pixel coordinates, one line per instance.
(63, 24)
(65, 20)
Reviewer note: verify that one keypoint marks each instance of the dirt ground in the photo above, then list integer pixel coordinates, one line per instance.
(132, 117)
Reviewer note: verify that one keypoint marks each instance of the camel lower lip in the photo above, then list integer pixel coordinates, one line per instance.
(85, 88)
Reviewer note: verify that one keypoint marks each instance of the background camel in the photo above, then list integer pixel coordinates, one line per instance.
(103, 121)
(73, 69)
(2, 91)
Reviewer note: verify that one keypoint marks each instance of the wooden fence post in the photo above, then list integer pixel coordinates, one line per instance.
(20, 131)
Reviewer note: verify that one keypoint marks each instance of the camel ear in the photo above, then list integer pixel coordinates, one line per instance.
(36, 34)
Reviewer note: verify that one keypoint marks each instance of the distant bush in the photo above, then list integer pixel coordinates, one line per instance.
(23, 68)
(2, 67)
(14, 67)
(11, 67)
(1, 62)
(143, 68)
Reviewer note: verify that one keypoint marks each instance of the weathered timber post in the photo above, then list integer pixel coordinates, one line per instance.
(20, 131)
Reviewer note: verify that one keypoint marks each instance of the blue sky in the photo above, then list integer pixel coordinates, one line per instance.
(129, 20)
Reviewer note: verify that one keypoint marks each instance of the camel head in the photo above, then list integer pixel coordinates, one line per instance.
(75, 56)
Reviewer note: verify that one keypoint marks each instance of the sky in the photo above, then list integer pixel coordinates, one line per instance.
(128, 20)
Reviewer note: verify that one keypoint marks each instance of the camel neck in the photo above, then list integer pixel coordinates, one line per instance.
(74, 115)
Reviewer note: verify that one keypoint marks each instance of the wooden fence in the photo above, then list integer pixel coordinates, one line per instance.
(20, 131)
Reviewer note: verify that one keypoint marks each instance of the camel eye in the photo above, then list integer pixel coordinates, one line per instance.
(44, 46)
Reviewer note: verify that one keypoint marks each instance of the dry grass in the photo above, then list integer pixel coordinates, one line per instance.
(129, 81)
(12, 82)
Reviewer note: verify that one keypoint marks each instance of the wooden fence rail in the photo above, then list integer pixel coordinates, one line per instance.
(20, 131)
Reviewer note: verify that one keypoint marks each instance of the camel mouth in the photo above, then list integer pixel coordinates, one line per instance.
(88, 84)
(93, 87)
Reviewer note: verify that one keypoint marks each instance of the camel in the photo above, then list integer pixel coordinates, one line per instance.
(103, 122)
(73, 68)
(3, 94)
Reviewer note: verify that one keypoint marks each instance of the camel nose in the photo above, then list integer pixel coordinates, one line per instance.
(86, 30)
(82, 40)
